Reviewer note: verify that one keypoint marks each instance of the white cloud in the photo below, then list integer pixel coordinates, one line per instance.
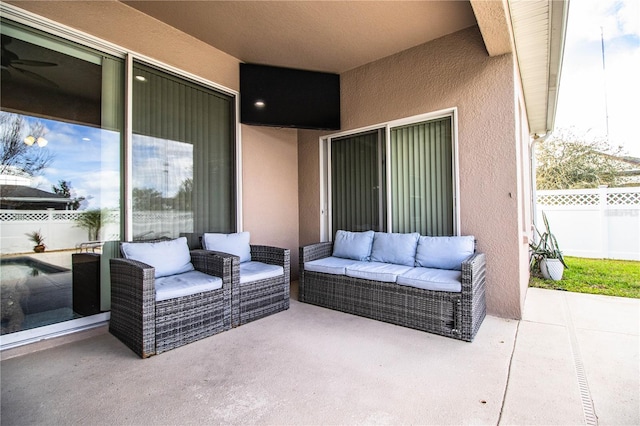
(161, 164)
(629, 17)
(615, 17)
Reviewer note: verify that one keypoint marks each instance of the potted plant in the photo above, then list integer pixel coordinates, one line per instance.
(38, 240)
(546, 256)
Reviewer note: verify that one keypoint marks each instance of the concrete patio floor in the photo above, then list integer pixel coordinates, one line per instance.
(572, 359)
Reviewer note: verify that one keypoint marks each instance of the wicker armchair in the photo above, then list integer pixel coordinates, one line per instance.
(254, 295)
(150, 327)
(253, 300)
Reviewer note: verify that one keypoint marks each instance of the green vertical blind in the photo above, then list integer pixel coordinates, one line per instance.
(183, 156)
(356, 180)
(422, 178)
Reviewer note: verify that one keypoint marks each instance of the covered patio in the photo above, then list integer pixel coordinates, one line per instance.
(572, 359)
(489, 67)
(541, 357)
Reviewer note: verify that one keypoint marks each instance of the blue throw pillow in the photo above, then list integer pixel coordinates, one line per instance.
(444, 252)
(167, 257)
(236, 244)
(353, 245)
(399, 249)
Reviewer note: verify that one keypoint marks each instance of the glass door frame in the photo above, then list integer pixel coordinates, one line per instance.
(325, 166)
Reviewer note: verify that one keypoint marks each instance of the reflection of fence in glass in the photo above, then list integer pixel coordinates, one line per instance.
(61, 231)
(149, 225)
(59, 228)
(595, 223)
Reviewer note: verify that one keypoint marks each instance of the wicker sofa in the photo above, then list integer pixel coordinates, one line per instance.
(434, 285)
(261, 278)
(164, 295)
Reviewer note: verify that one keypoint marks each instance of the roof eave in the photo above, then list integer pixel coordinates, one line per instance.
(559, 15)
(539, 31)
(534, 30)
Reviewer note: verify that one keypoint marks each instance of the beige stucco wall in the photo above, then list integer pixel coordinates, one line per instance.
(270, 187)
(309, 185)
(454, 71)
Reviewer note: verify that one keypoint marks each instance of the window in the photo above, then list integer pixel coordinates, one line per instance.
(183, 157)
(396, 178)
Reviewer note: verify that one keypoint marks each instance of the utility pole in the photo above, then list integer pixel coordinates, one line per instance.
(604, 73)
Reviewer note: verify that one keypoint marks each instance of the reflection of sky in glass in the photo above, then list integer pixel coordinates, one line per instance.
(86, 157)
(161, 164)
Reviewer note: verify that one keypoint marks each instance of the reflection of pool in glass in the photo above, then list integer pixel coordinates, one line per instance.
(18, 268)
(34, 294)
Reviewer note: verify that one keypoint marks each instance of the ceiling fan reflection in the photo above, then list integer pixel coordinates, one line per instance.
(12, 62)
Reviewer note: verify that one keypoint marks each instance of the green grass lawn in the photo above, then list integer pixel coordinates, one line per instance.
(596, 276)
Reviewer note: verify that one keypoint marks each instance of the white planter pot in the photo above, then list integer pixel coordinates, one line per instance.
(552, 269)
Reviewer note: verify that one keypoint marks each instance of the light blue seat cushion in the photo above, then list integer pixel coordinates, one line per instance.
(167, 257)
(444, 252)
(353, 245)
(377, 271)
(432, 279)
(254, 271)
(329, 265)
(185, 284)
(399, 249)
(236, 244)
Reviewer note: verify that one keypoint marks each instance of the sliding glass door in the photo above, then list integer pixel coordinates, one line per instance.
(422, 178)
(405, 184)
(357, 182)
(61, 127)
(64, 179)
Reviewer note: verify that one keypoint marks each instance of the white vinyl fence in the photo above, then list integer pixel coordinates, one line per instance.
(61, 231)
(59, 228)
(596, 223)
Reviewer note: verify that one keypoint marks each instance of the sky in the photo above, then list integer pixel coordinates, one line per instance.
(88, 158)
(590, 92)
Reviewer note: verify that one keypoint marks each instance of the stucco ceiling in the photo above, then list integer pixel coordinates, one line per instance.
(330, 36)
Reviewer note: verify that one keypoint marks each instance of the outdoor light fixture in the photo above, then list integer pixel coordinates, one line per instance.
(259, 104)
(30, 140)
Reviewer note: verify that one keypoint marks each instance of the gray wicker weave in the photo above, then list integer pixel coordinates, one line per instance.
(456, 315)
(258, 299)
(148, 327)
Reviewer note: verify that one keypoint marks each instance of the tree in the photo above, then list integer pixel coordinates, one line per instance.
(565, 161)
(93, 220)
(16, 156)
(147, 199)
(64, 189)
(182, 200)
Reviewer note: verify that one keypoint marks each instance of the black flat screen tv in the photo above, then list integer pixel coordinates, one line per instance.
(287, 97)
